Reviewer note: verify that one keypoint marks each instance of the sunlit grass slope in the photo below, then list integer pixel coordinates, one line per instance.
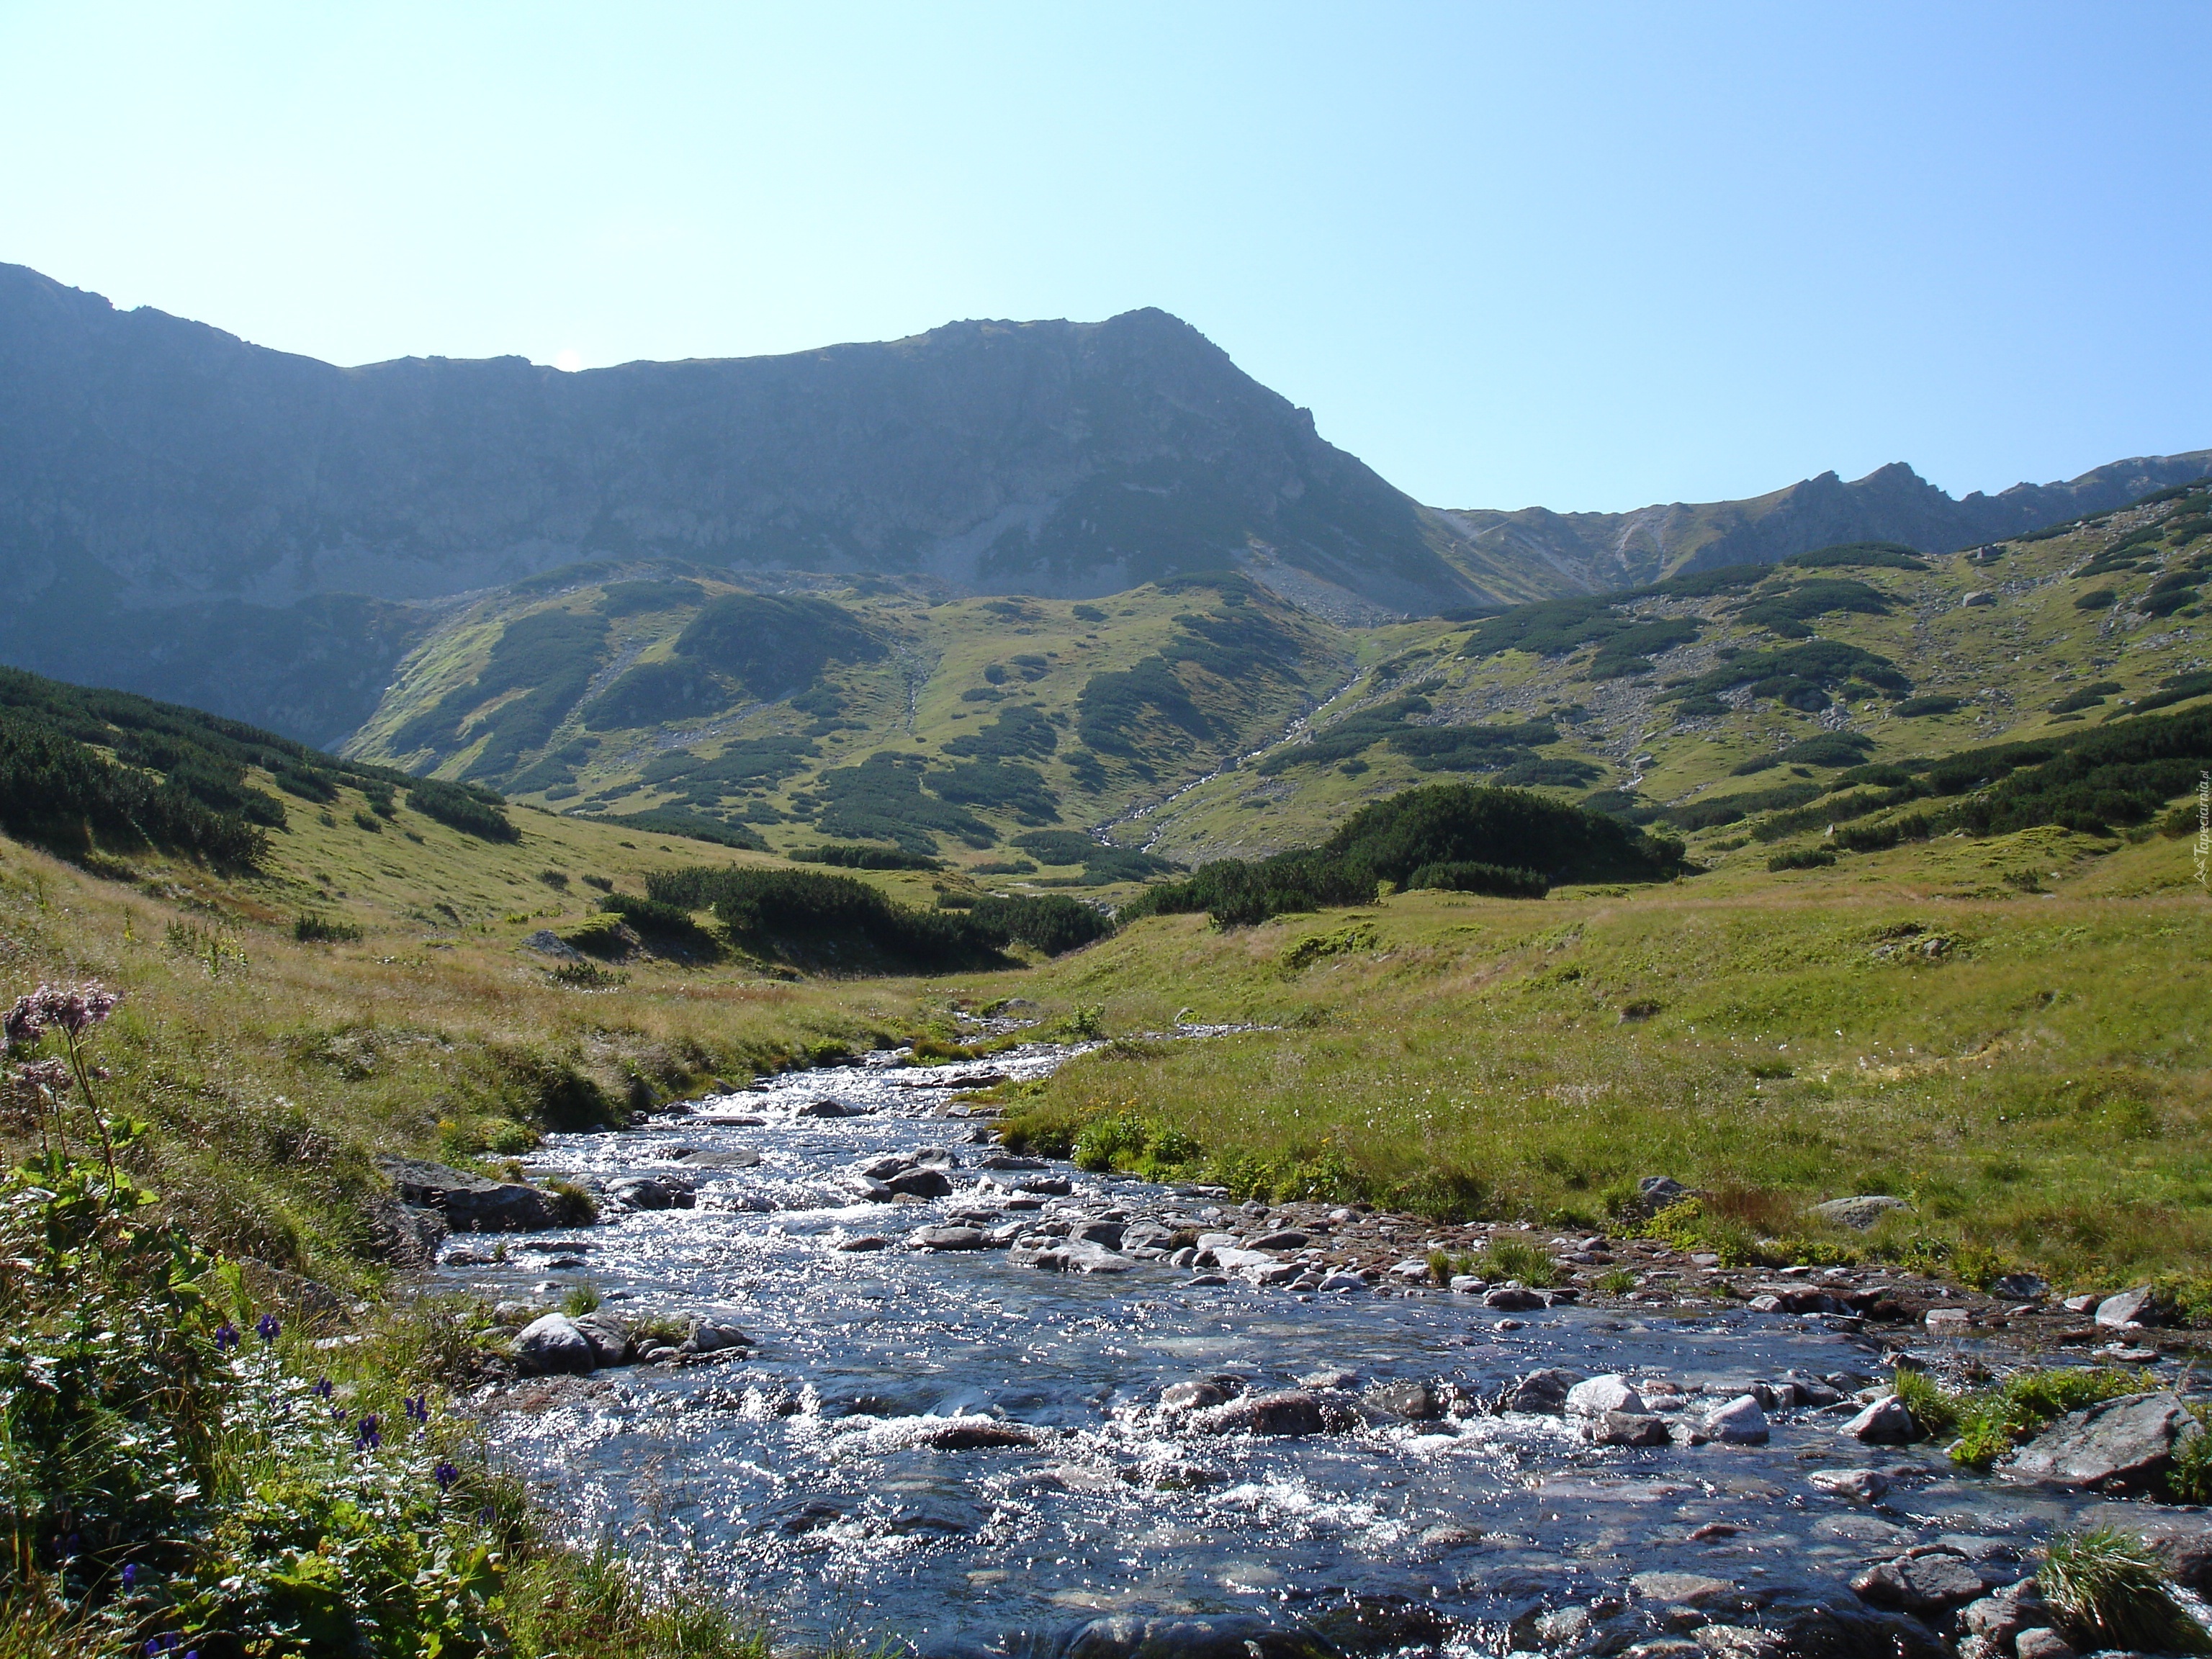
(2031, 1070)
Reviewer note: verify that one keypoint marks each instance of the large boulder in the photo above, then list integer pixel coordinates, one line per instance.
(1540, 1394)
(1924, 1585)
(553, 1347)
(471, 1203)
(1740, 1423)
(2121, 1445)
(1601, 1394)
(608, 1335)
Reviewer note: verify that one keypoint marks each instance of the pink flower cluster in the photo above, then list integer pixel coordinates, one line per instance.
(72, 1009)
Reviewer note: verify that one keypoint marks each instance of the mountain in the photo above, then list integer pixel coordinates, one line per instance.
(1597, 551)
(161, 460)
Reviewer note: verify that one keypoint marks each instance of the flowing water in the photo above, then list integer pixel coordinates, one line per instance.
(816, 1473)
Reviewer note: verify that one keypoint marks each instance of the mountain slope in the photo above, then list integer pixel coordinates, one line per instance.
(160, 459)
(994, 729)
(1725, 700)
(1598, 551)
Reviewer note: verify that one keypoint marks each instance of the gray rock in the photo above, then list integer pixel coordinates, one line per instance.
(2021, 1287)
(709, 1336)
(1337, 1282)
(920, 1183)
(1512, 1298)
(1287, 1412)
(1885, 1422)
(471, 1203)
(1923, 1583)
(1075, 1255)
(979, 1433)
(2135, 1307)
(547, 943)
(883, 1168)
(2001, 1616)
(1860, 1485)
(1111, 1234)
(947, 1238)
(1862, 1213)
(648, 1192)
(1980, 596)
(1687, 1590)
(552, 1345)
(1739, 1422)
(1287, 1239)
(1601, 1394)
(1655, 1192)
(1540, 1393)
(1009, 1161)
(865, 1242)
(1198, 1392)
(1629, 1428)
(610, 1339)
(827, 1108)
(1416, 1403)
(2119, 1445)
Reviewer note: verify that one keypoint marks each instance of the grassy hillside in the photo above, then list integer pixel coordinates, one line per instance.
(2028, 1069)
(995, 731)
(1647, 700)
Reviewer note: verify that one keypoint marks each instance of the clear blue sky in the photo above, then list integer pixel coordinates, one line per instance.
(1586, 257)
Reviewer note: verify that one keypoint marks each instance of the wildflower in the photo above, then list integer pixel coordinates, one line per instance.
(47, 1078)
(226, 1336)
(266, 1327)
(445, 1475)
(21, 1025)
(366, 1436)
(129, 1574)
(418, 1408)
(322, 1390)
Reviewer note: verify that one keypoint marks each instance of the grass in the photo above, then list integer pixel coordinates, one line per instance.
(2109, 1592)
(273, 1069)
(2029, 1074)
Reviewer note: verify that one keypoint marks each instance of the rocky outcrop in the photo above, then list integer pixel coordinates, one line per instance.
(2119, 1445)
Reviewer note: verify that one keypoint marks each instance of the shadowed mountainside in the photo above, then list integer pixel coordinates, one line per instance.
(162, 459)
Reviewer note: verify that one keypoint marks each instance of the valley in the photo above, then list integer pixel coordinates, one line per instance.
(1089, 1027)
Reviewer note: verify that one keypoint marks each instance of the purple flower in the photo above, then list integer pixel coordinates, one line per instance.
(322, 1389)
(129, 1574)
(21, 1025)
(49, 1078)
(226, 1336)
(266, 1327)
(445, 1475)
(418, 1407)
(366, 1436)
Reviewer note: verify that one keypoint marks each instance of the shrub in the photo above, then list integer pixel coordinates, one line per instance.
(1467, 875)
(1802, 858)
(469, 808)
(1920, 707)
(2097, 598)
(314, 929)
(1050, 925)
(836, 920)
(860, 855)
(669, 924)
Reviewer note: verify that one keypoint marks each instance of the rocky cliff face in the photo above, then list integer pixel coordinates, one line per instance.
(1608, 550)
(155, 460)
